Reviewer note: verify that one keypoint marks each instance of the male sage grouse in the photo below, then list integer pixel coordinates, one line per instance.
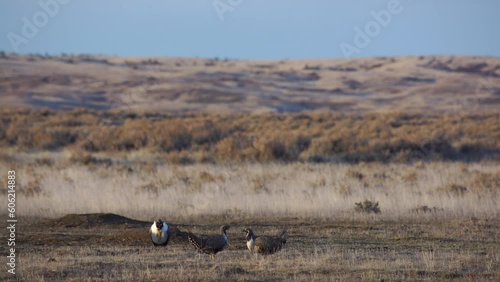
(264, 244)
(159, 233)
(211, 245)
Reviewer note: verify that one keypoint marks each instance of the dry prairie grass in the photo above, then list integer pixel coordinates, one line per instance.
(422, 233)
(248, 190)
(368, 248)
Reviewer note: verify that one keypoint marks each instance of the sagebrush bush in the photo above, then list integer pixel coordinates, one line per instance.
(367, 206)
(314, 137)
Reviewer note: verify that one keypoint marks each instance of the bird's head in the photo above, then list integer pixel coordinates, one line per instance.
(159, 224)
(249, 232)
(224, 228)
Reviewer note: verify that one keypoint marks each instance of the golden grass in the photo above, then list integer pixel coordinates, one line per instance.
(253, 190)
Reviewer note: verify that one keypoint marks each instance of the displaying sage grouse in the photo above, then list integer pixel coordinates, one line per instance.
(159, 233)
(264, 244)
(211, 245)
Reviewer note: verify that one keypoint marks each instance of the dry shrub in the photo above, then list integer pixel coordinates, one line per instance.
(410, 177)
(205, 157)
(44, 161)
(381, 175)
(173, 136)
(329, 146)
(266, 137)
(453, 189)
(238, 148)
(367, 206)
(426, 209)
(207, 134)
(302, 142)
(344, 190)
(420, 164)
(96, 139)
(259, 184)
(275, 149)
(318, 182)
(145, 167)
(486, 183)
(352, 173)
(53, 140)
(132, 135)
(181, 158)
(233, 213)
(31, 189)
(208, 177)
(150, 188)
(84, 158)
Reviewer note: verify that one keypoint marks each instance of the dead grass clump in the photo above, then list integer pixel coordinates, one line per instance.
(486, 183)
(232, 214)
(174, 136)
(318, 182)
(344, 190)
(426, 209)
(31, 189)
(270, 150)
(454, 189)
(367, 206)
(132, 135)
(237, 148)
(355, 174)
(381, 176)
(276, 148)
(302, 142)
(150, 188)
(410, 177)
(207, 134)
(208, 177)
(259, 184)
(83, 158)
(47, 139)
(420, 164)
(181, 158)
(45, 161)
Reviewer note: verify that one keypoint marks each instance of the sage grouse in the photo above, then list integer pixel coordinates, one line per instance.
(159, 233)
(211, 245)
(264, 244)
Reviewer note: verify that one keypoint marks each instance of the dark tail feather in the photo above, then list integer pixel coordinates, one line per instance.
(284, 235)
(175, 232)
(195, 241)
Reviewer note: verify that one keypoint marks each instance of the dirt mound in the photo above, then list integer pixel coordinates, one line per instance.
(95, 219)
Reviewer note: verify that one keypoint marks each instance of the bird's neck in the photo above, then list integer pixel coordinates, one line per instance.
(250, 236)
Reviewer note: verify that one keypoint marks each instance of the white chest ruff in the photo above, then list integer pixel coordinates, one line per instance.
(251, 245)
(159, 236)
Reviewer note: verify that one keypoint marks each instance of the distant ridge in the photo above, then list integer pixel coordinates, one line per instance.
(426, 84)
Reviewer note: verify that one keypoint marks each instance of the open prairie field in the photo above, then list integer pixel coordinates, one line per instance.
(367, 221)
(103, 247)
(383, 169)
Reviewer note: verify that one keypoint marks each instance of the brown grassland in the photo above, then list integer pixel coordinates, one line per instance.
(382, 169)
(387, 205)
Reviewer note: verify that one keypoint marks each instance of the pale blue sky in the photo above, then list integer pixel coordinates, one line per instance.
(256, 29)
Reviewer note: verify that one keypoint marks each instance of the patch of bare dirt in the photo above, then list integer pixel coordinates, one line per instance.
(95, 219)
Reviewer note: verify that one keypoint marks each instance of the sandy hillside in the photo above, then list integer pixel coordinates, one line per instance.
(412, 84)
